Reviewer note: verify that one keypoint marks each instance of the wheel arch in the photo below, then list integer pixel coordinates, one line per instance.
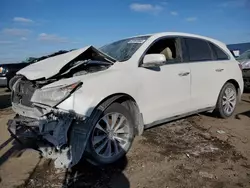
(128, 102)
(232, 81)
(236, 85)
(217, 111)
(80, 131)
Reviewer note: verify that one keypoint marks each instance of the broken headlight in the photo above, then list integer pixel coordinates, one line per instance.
(54, 95)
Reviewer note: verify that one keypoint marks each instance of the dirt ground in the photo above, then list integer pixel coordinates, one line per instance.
(199, 151)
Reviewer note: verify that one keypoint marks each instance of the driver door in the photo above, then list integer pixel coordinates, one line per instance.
(164, 91)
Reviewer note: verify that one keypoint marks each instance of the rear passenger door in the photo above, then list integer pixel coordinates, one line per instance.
(207, 71)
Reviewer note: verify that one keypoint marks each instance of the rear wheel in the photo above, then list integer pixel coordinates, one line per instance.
(112, 135)
(227, 101)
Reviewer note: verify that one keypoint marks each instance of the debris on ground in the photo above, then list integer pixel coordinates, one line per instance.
(221, 132)
(206, 175)
(169, 156)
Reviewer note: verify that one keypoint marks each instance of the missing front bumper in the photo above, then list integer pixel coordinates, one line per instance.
(17, 130)
(61, 138)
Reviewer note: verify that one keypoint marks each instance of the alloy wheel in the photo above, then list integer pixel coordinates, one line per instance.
(229, 100)
(111, 135)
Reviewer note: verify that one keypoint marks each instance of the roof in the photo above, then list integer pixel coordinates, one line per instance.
(162, 34)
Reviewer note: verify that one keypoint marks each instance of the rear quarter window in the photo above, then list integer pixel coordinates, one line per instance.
(219, 54)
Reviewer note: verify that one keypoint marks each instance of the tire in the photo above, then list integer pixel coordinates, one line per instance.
(221, 109)
(117, 150)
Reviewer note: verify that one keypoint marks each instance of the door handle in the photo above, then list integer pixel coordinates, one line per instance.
(219, 70)
(184, 73)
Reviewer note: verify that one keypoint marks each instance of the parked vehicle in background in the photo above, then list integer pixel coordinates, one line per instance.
(244, 60)
(92, 102)
(8, 71)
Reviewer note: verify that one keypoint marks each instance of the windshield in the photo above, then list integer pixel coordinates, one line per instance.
(245, 55)
(122, 50)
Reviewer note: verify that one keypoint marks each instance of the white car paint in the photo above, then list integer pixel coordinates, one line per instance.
(158, 94)
(164, 89)
(207, 81)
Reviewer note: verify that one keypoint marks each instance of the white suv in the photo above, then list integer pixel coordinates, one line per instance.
(93, 102)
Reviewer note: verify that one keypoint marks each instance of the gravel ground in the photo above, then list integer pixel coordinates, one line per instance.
(198, 151)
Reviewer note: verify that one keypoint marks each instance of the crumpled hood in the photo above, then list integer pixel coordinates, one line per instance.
(52, 66)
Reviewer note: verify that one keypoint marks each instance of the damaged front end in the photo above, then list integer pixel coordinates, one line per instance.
(60, 134)
(48, 125)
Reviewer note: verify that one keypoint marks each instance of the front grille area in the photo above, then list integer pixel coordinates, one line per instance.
(23, 93)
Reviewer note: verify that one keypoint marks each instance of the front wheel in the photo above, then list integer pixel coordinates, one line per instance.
(227, 101)
(112, 135)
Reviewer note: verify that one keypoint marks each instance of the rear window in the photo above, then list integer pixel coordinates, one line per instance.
(198, 50)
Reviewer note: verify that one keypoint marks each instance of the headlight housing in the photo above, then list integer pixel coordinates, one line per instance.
(54, 95)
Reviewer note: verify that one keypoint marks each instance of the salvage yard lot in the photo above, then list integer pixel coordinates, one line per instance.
(199, 151)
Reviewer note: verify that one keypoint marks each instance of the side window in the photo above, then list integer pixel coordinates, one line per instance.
(168, 47)
(198, 50)
(219, 54)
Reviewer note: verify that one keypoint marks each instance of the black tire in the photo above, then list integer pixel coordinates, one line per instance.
(99, 160)
(220, 110)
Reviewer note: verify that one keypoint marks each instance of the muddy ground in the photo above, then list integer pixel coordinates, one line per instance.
(198, 151)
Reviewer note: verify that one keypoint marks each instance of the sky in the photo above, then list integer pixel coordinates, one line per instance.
(39, 27)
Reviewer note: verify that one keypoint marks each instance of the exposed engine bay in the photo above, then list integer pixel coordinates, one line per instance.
(37, 114)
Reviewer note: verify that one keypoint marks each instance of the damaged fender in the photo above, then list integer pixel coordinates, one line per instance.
(80, 131)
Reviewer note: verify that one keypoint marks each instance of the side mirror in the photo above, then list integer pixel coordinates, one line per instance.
(153, 60)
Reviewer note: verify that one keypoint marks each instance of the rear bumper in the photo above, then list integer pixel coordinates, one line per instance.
(3, 81)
